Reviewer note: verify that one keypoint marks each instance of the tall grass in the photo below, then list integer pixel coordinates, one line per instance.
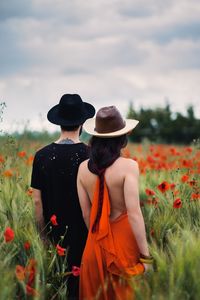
(17, 212)
(173, 233)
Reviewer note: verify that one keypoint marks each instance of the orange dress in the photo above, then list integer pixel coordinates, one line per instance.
(110, 257)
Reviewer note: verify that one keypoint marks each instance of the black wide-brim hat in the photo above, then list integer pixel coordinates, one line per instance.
(71, 111)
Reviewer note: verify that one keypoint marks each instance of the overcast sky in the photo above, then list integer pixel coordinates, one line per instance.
(108, 51)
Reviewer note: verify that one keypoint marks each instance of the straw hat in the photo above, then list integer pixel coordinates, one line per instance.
(109, 123)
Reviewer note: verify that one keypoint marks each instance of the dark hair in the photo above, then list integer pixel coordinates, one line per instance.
(69, 128)
(103, 153)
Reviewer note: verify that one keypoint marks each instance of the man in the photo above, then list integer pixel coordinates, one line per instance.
(53, 181)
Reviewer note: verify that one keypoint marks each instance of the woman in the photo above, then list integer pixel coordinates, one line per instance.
(116, 247)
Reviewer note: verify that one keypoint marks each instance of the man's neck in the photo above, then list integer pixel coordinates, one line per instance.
(68, 137)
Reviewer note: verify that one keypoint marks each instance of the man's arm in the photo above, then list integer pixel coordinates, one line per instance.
(39, 211)
(133, 207)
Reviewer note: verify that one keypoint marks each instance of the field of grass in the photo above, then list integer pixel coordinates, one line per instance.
(170, 200)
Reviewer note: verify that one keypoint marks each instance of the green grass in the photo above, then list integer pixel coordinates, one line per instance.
(173, 234)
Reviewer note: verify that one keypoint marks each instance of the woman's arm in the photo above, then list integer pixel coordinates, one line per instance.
(132, 202)
(83, 197)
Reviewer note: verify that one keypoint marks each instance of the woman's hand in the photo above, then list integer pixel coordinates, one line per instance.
(147, 268)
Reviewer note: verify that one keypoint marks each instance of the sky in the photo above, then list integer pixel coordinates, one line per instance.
(110, 52)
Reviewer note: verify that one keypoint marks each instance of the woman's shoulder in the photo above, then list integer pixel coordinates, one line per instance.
(127, 162)
(126, 166)
(83, 166)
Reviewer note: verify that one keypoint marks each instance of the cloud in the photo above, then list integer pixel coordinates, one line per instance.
(14, 9)
(108, 51)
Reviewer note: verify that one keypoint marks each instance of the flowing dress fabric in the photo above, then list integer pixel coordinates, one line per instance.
(111, 255)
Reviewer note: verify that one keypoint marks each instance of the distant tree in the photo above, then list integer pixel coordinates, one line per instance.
(161, 125)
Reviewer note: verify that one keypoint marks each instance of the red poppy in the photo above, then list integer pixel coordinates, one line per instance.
(1, 159)
(31, 291)
(188, 149)
(187, 163)
(20, 272)
(21, 154)
(151, 148)
(152, 201)
(172, 186)
(29, 160)
(9, 235)
(176, 192)
(152, 232)
(141, 203)
(27, 274)
(150, 159)
(184, 178)
(31, 271)
(29, 192)
(192, 182)
(156, 154)
(60, 250)
(27, 245)
(76, 271)
(177, 203)
(54, 220)
(195, 196)
(149, 192)
(164, 186)
(126, 153)
(8, 173)
(173, 151)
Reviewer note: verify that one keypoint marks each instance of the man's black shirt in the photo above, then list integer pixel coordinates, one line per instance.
(54, 172)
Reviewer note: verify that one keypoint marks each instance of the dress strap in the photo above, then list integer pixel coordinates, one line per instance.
(104, 222)
(92, 166)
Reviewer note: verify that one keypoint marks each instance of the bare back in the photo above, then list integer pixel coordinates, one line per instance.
(115, 177)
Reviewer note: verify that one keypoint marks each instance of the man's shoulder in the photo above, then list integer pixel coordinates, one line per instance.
(53, 148)
(43, 150)
(84, 147)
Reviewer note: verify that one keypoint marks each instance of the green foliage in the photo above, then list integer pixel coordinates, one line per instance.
(161, 125)
(177, 272)
(173, 234)
(17, 212)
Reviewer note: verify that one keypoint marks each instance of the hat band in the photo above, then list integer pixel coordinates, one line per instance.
(110, 127)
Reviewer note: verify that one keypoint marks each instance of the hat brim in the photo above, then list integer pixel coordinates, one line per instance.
(89, 127)
(53, 116)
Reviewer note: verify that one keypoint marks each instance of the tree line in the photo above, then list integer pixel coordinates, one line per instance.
(159, 125)
(164, 126)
